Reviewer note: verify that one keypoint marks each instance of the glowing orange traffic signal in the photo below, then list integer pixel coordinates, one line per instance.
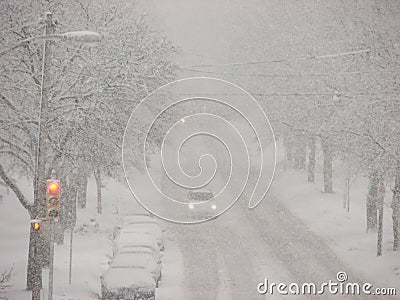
(53, 199)
(53, 187)
(36, 226)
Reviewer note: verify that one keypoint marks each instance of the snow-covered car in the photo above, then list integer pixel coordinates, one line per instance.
(150, 228)
(132, 219)
(130, 208)
(138, 219)
(138, 261)
(195, 206)
(141, 249)
(127, 283)
(135, 239)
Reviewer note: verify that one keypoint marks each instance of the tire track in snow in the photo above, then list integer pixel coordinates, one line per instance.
(199, 261)
(223, 292)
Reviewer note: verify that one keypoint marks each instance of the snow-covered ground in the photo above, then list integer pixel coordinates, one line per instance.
(344, 232)
(14, 238)
(171, 287)
(92, 247)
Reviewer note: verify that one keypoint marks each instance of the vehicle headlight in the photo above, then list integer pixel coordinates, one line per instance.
(214, 207)
(191, 206)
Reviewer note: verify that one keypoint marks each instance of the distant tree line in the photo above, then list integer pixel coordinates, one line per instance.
(345, 106)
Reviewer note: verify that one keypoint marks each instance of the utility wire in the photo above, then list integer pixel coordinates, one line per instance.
(310, 57)
(304, 74)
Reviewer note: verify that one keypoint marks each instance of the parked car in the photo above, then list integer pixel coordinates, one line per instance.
(150, 228)
(135, 219)
(138, 261)
(132, 219)
(141, 249)
(135, 239)
(127, 283)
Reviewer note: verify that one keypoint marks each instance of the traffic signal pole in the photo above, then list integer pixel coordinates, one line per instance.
(35, 231)
(53, 207)
(51, 266)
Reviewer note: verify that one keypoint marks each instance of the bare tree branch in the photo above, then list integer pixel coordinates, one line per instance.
(20, 196)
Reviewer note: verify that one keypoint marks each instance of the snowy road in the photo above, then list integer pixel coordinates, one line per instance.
(228, 257)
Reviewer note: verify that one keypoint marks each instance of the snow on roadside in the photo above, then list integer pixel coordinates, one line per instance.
(171, 285)
(343, 231)
(14, 241)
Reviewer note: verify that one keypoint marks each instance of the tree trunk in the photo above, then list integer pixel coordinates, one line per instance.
(36, 260)
(380, 231)
(311, 160)
(97, 175)
(289, 150)
(71, 217)
(328, 158)
(82, 189)
(380, 199)
(34, 270)
(372, 201)
(300, 156)
(396, 209)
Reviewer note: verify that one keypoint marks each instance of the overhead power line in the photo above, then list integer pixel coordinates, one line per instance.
(308, 57)
(303, 74)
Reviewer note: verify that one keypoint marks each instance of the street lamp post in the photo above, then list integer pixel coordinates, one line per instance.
(36, 245)
(35, 263)
(40, 200)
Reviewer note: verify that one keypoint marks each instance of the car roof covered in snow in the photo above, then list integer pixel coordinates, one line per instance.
(136, 249)
(140, 260)
(137, 219)
(138, 238)
(141, 227)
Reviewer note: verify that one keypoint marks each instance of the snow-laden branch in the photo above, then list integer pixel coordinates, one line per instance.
(77, 36)
(13, 186)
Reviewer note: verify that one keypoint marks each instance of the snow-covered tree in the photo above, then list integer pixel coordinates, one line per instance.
(93, 88)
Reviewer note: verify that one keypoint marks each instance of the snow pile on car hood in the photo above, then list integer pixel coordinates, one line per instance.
(139, 279)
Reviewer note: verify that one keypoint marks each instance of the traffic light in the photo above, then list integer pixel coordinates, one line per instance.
(36, 224)
(36, 227)
(53, 199)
